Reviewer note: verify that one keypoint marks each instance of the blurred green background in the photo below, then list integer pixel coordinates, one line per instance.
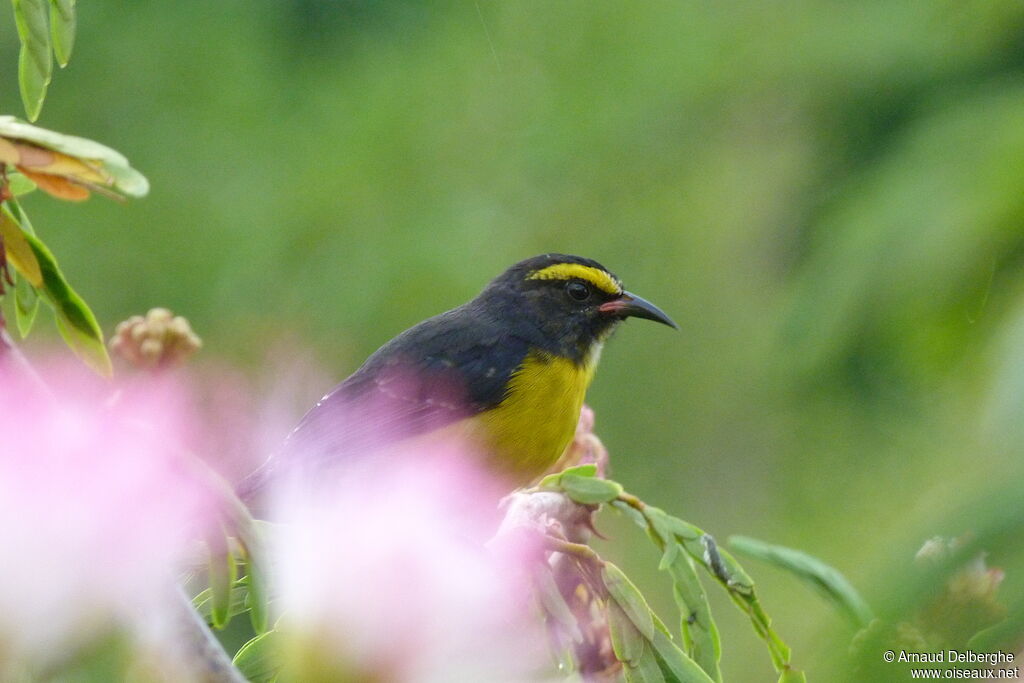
(827, 196)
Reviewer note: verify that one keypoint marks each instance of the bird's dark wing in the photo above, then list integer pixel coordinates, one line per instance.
(445, 369)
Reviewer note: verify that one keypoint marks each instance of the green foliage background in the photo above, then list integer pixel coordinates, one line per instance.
(827, 196)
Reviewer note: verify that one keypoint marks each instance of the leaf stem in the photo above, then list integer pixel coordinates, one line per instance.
(579, 551)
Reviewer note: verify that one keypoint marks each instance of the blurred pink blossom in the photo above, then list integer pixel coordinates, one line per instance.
(385, 569)
(98, 507)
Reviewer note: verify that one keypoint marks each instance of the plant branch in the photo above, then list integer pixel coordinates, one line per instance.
(206, 656)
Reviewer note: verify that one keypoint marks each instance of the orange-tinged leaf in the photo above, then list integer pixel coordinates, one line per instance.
(56, 185)
(19, 253)
(50, 162)
(115, 175)
(32, 156)
(8, 152)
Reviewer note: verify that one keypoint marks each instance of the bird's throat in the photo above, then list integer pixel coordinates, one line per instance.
(530, 429)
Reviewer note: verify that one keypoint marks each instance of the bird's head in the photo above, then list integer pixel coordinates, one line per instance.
(567, 304)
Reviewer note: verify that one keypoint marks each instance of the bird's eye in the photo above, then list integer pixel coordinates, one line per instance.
(577, 290)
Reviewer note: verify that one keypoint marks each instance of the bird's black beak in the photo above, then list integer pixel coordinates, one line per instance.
(630, 305)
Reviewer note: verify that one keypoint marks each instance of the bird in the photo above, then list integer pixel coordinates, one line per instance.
(507, 370)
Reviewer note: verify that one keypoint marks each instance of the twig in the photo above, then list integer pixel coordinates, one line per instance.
(207, 657)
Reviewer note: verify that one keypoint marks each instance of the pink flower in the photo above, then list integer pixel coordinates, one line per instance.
(98, 507)
(385, 572)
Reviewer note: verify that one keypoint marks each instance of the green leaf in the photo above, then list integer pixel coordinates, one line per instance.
(552, 481)
(826, 580)
(700, 632)
(762, 623)
(554, 604)
(736, 578)
(582, 484)
(26, 299)
(26, 306)
(20, 216)
(588, 470)
(792, 676)
(237, 522)
(126, 179)
(702, 549)
(62, 29)
(257, 597)
(35, 62)
(631, 512)
(675, 664)
(18, 250)
(629, 598)
(647, 670)
(660, 625)
(627, 642)
(203, 602)
(669, 556)
(75, 321)
(589, 490)
(260, 659)
(222, 571)
(668, 526)
(18, 184)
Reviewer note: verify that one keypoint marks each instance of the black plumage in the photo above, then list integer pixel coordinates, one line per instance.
(447, 368)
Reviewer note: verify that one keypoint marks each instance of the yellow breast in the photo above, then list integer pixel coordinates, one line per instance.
(528, 431)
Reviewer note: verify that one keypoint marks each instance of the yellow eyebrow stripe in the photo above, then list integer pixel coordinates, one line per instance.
(568, 271)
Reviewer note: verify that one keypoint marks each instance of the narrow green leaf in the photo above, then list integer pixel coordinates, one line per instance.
(627, 642)
(762, 624)
(826, 580)
(260, 659)
(723, 567)
(62, 29)
(589, 490)
(669, 556)
(588, 470)
(35, 62)
(660, 625)
(19, 215)
(792, 676)
(222, 571)
(203, 602)
(667, 526)
(237, 522)
(258, 596)
(75, 321)
(551, 481)
(675, 664)
(681, 544)
(26, 306)
(629, 598)
(632, 513)
(127, 179)
(646, 670)
(18, 250)
(700, 632)
(18, 184)
(738, 580)
(554, 604)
